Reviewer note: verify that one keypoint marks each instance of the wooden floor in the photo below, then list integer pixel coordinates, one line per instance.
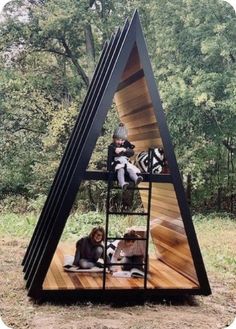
(159, 276)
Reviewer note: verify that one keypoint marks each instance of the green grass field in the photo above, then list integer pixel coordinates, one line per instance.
(216, 233)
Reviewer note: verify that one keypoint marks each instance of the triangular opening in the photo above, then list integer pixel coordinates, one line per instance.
(175, 262)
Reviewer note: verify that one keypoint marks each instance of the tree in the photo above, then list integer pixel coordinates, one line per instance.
(50, 49)
(195, 68)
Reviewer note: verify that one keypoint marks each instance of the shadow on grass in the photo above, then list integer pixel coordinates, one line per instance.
(184, 300)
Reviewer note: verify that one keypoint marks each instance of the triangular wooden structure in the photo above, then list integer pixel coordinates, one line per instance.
(124, 74)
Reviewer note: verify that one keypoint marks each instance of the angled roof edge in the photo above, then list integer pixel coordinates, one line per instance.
(172, 162)
(93, 132)
(60, 178)
(87, 142)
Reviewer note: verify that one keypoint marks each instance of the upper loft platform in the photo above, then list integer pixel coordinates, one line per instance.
(104, 175)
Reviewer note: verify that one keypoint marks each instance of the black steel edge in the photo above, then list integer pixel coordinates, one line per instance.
(43, 263)
(55, 207)
(134, 296)
(58, 183)
(103, 175)
(132, 79)
(40, 222)
(67, 154)
(31, 292)
(172, 163)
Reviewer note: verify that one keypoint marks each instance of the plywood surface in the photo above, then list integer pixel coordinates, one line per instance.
(159, 276)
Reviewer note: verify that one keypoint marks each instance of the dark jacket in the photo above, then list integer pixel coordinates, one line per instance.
(86, 249)
(128, 153)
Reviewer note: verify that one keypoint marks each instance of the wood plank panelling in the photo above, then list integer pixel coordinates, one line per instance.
(49, 281)
(135, 110)
(133, 64)
(147, 135)
(59, 259)
(126, 95)
(159, 276)
(129, 106)
(144, 145)
(143, 129)
(164, 196)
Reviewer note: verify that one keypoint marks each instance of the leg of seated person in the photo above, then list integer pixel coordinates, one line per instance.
(98, 252)
(85, 263)
(132, 262)
(138, 260)
(127, 263)
(132, 174)
(121, 178)
(76, 258)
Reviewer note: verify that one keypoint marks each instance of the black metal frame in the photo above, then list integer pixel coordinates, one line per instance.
(118, 296)
(72, 169)
(172, 163)
(125, 213)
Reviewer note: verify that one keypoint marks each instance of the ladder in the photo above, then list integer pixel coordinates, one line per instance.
(110, 186)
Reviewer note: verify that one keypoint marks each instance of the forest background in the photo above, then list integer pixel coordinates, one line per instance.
(48, 52)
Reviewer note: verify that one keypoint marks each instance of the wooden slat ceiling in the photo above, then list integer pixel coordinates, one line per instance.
(135, 110)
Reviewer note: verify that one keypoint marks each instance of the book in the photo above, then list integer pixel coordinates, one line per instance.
(69, 267)
(73, 268)
(134, 273)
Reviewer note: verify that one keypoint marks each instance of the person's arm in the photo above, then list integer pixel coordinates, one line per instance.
(129, 153)
(77, 253)
(129, 149)
(115, 258)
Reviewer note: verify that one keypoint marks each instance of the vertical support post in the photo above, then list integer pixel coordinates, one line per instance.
(110, 174)
(150, 165)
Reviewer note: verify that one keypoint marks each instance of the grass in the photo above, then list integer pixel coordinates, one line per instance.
(22, 225)
(216, 233)
(17, 225)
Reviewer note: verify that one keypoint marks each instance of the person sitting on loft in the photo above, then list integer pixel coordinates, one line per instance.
(133, 251)
(89, 249)
(122, 150)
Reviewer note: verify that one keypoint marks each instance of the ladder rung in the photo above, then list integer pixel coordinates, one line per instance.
(122, 264)
(131, 239)
(130, 188)
(127, 213)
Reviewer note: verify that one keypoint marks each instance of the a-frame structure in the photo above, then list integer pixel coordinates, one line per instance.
(124, 74)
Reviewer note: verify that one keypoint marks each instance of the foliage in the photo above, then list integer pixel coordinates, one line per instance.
(17, 225)
(81, 224)
(48, 52)
(195, 67)
(209, 227)
(221, 258)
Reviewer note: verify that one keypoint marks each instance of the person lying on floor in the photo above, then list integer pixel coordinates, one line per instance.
(133, 251)
(89, 249)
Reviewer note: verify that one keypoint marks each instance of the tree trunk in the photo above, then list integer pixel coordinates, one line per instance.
(189, 189)
(90, 49)
(75, 62)
(219, 190)
(91, 199)
(232, 191)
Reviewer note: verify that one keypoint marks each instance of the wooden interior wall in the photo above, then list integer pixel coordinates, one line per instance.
(136, 112)
(160, 276)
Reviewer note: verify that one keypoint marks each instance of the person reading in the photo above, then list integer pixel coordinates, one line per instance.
(132, 250)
